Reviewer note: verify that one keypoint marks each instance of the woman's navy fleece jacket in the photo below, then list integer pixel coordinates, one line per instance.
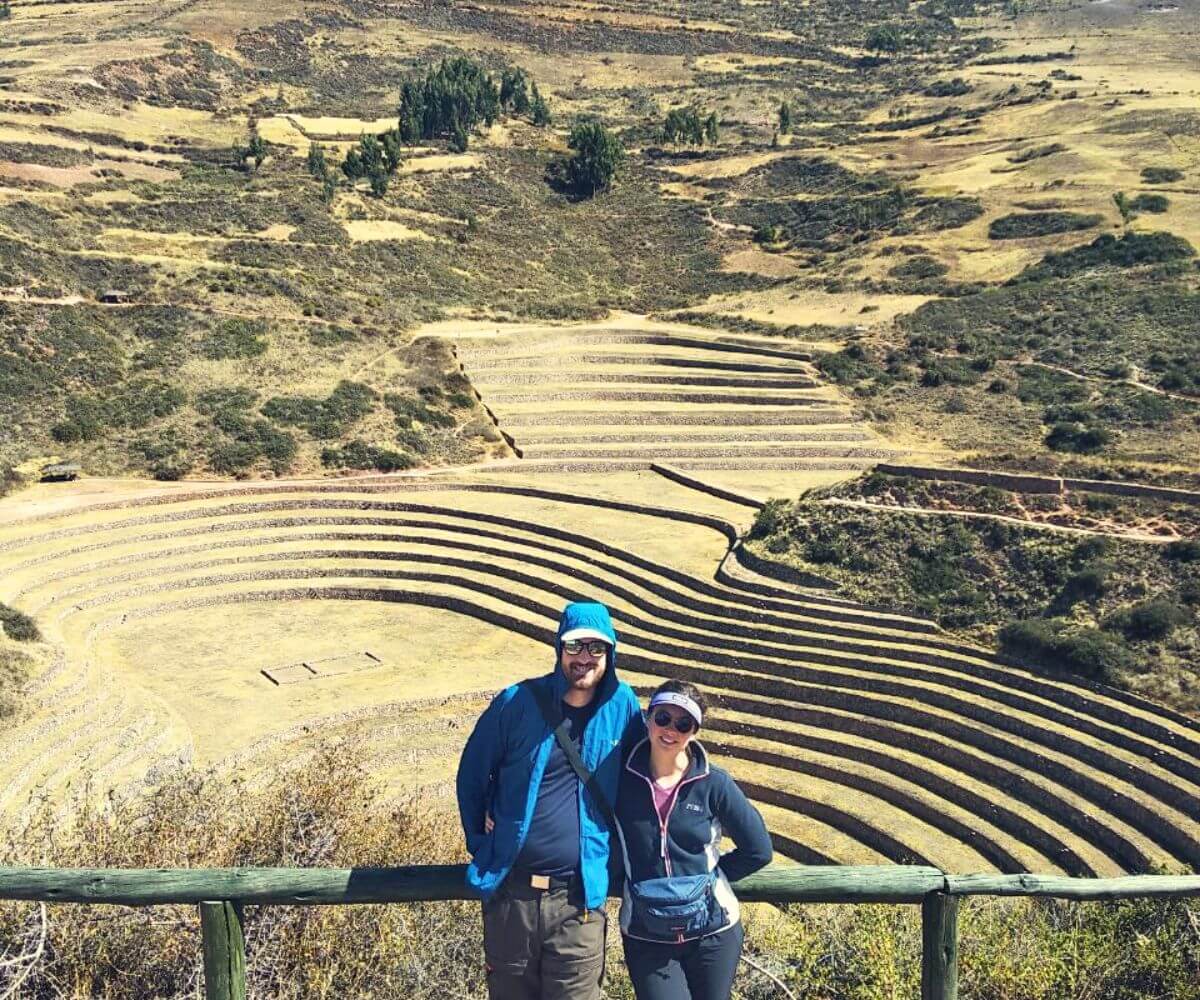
(708, 805)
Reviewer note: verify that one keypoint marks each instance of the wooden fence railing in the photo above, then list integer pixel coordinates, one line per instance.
(221, 893)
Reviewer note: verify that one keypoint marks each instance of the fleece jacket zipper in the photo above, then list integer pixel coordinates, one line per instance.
(662, 823)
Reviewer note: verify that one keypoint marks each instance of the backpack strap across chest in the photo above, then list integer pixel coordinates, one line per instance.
(561, 726)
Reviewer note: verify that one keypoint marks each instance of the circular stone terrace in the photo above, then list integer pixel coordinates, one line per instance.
(237, 626)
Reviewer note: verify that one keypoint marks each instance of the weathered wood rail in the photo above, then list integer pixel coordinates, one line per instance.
(221, 894)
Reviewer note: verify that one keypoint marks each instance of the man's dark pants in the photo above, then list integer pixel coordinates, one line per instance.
(542, 944)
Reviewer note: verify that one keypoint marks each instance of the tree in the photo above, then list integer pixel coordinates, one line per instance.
(883, 38)
(514, 91)
(686, 125)
(256, 149)
(379, 182)
(1124, 206)
(392, 152)
(683, 125)
(785, 118)
(540, 110)
(316, 162)
(353, 166)
(459, 140)
(599, 154)
(5, 10)
(458, 93)
(374, 156)
(328, 188)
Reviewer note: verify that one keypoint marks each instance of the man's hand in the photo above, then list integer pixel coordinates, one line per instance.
(489, 824)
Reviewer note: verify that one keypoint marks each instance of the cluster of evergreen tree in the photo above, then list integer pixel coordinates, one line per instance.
(375, 158)
(598, 156)
(450, 101)
(459, 94)
(255, 149)
(520, 96)
(686, 125)
(320, 170)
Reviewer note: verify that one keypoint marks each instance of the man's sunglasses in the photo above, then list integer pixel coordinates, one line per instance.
(594, 646)
(684, 724)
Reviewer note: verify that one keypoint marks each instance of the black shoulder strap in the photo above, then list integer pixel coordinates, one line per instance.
(554, 719)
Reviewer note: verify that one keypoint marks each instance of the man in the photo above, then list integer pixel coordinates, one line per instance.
(539, 841)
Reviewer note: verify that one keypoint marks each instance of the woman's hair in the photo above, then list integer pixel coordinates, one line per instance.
(687, 690)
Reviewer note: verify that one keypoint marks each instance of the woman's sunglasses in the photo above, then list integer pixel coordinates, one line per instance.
(684, 724)
(595, 646)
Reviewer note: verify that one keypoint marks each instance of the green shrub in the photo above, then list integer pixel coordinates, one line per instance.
(918, 269)
(1091, 548)
(1127, 250)
(1161, 175)
(1058, 643)
(1087, 584)
(235, 398)
(1154, 203)
(1184, 550)
(406, 410)
(1155, 618)
(132, 404)
(324, 418)
(1078, 437)
(1023, 225)
(848, 366)
(15, 668)
(956, 87)
(232, 457)
(1098, 503)
(248, 441)
(235, 338)
(1037, 152)
(938, 214)
(360, 455)
(18, 626)
(823, 552)
(769, 519)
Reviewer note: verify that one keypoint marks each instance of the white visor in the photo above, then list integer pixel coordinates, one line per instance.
(679, 701)
(585, 633)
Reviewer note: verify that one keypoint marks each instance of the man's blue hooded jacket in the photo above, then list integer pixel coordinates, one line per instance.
(504, 759)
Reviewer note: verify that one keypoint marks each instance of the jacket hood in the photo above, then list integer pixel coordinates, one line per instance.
(588, 615)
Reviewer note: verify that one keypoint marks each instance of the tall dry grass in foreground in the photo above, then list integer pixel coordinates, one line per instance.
(330, 814)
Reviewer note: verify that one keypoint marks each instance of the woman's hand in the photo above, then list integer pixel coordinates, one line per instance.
(489, 824)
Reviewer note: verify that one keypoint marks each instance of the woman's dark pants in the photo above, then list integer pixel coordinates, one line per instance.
(695, 970)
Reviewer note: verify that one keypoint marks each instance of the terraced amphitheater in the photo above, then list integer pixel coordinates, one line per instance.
(238, 626)
(630, 392)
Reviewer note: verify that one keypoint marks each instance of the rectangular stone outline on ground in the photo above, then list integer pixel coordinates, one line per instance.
(328, 666)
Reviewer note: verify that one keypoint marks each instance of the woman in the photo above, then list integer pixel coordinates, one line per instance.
(679, 917)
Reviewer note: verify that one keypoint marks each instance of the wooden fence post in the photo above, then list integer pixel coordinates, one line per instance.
(939, 947)
(224, 951)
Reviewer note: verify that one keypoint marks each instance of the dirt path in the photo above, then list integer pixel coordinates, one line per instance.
(1136, 536)
(1070, 373)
